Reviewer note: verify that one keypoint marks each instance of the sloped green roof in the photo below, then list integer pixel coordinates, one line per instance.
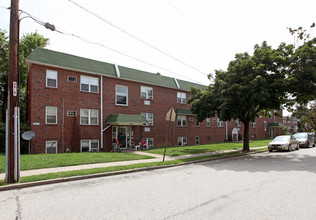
(123, 119)
(275, 124)
(63, 60)
(67, 61)
(184, 112)
(145, 77)
(185, 85)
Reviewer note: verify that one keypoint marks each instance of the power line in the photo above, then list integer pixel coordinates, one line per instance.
(53, 28)
(135, 37)
(200, 26)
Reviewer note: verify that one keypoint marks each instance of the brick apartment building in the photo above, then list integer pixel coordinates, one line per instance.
(80, 105)
(291, 123)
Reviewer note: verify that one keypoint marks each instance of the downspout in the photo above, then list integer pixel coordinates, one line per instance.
(226, 132)
(101, 111)
(63, 127)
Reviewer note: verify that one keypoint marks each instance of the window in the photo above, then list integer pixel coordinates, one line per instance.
(72, 79)
(121, 95)
(89, 145)
(51, 115)
(51, 147)
(89, 116)
(181, 97)
(208, 122)
(146, 92)
(220, 123)
(182, 141)
(182, 120)
(71, 113)
(89, 84)
(51, 78)
(265, 125)
(237, 123)
(197, 123)
(149, 117)
(197, 140)
(254, 124)
(149, 143)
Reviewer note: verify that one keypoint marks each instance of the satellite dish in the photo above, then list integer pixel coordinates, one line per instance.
(28, 135)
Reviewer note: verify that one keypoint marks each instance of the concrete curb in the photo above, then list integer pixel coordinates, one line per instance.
(74, 178)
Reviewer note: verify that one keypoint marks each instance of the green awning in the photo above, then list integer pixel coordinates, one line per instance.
(275, 124)
(184, 112)
(123, 119)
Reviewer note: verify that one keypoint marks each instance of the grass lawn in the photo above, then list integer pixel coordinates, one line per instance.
(115, 168)
(196, 149)
(38, 161)
(118, 168)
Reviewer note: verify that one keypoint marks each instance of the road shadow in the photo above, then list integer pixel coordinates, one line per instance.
(302, 160)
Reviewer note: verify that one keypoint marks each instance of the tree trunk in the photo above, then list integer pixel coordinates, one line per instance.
(246, 137)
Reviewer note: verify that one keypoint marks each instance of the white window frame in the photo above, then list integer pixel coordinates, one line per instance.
(89, 116)
(147, 117)
(181, 97)
(208, 122)
(265, 125)
(253, 124)
(197, 123)
(51, 143)
(90, 81)
(220, 123)
(121, 94)
(237, 123)
(53, 75)
(90, 144)
(182, 120)
(145, 92)
(46, 114)
(183, 141)
(197, 140)
(74, 77)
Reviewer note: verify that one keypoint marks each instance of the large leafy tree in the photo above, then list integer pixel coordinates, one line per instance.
(27, 43)
(257, 84)
(306, 116)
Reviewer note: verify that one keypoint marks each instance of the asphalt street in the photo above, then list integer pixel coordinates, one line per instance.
(278, 185)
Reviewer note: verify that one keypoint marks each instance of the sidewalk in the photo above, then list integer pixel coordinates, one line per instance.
(157, 158)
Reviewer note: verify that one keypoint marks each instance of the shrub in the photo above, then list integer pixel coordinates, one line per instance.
(230, 137)
(239, 137)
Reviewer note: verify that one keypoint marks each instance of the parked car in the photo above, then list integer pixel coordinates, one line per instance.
(284, 142)
(306, 139)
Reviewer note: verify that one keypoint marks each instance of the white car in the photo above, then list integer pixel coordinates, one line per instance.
(284, 142)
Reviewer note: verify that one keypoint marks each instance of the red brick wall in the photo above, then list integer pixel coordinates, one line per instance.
(69, 97)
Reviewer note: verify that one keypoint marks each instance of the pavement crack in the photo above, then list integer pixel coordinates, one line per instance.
(18, 207)
(208, 202)
(199, 205)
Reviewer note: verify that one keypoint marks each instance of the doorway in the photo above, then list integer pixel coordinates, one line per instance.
(122, 135)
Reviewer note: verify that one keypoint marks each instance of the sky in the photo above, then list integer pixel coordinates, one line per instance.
(185, 39)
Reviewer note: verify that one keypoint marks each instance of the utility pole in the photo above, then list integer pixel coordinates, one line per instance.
(13, 128)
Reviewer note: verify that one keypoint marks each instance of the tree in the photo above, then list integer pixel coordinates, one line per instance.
(254, 85)
(250, 85)
(27, 43)
(306, 116)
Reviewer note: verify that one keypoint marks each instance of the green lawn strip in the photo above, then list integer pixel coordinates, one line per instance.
(39, 161)
(196, 149)
(117, 168)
